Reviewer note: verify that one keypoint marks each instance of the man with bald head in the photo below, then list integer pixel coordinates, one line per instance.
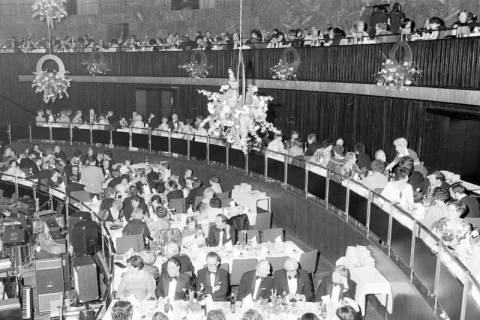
(292, 282)
(257, 283)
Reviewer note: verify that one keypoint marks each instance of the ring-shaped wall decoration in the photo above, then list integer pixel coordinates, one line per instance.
(48, 57)
(291, 57)
(406, 47)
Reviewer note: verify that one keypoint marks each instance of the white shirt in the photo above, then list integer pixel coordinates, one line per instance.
(220, 235)
(257, 286)
(335, 295)
(402, 194)
(292, 285)
(171, 289)
(212, 280)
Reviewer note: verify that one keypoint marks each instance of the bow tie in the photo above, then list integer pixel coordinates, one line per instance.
(173, 278)
(214, 273)
(292, 277)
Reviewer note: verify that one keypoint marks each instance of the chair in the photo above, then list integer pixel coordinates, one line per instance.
(253, 234)
(239, 267)
(223, 195)
(196, 202)
(177, 205)
(225, 266)
(125, 243)
(277, 263)
(264, 221)
(270, 235)
(308, 261)
(239, 222)
(226, 202)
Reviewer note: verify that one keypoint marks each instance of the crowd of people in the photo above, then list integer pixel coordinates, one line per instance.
(139, 199)
(381, 23)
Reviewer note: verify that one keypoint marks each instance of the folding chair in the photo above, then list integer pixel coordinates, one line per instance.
(239, 267)
(277, 263)
(264, 221)
(253, 234)
(125, 243)
(270, 235)
(223, 195)
(196, 202)
(308, 261)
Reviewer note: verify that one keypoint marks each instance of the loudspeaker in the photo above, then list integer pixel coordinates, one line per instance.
(85, 278)
(49, 278)
(14, 235)
(84, 238)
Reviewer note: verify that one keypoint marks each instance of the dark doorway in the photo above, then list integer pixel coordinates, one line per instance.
(160, 101)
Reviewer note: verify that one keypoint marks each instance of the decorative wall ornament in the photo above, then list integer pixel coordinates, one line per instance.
(96, 64)
(53, 84)
(197, 68)
(397, 74)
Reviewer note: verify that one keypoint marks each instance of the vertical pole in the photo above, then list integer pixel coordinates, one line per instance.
(285, 172)
(170, 143)
(9, 132)
(412, 249)
(71, 133)
(34, 189)
(189, 138)
(306, 180)
(150, 140)
(369, 207)
(30, 132)
(208, 150)
(327, 188)
(389, 234)
(110, 129)
(16, 187)
(227, 156)
(91, 134)
(265, 166)
(347, 201)
(437, 279)
(130, 138)
(246, 162)
(467, 284)
(50, 131)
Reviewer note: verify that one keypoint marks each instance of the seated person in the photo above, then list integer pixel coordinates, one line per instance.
(136, 281)
(173, 284)
(216, 314)
(196, 191)
(350, 169)
(376, 180)
(221, 232)
(349, 312)
(293, 282)
(457, 191)
(155, 202)
(133, 202)
(437, 209)
(159, 220)
(173, 193)
(401, 146)
(399, 191)
(192, 234)
(213, 280)
(172, 250)
(208, 195)
(336, 286)
(122, 310)
(434, 180)
(309, 316)
(159, 316)
(257, 283)
(336, 163)
(452, 224)
(136, 225)
(215, 185)
(252, 314)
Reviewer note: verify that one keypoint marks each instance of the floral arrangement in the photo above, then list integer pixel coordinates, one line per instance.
(49, 11)
(196, 70)
(52, 84)
(239, 123)
(96, 67)
(396, 75)
(453, 231)
(283, 71)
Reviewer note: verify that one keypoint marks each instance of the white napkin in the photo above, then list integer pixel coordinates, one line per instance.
(228, 244)
(189, 211)
(232, 203)
(209, 302)
(253, 241)
(247, 302)
(278, 239)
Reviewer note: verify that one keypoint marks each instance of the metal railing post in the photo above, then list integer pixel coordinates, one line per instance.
(71, 134)
(327, 188)
(189, 139)
(208, 150)
(50, 131)
(67, 201)
(347, 201)
(37, 205)
(369, 208)
(130, 145)
(30, 132)
(285, 172)
(16, 187)
(265, 166)
(246, 162)
(437, 279)
(389, 233)
(150, 140)
(412, 249)
(306, 180)
(227, 156)
(110, 129)
(170, 143)
(467, 284)
(91, 134)
(9, 132)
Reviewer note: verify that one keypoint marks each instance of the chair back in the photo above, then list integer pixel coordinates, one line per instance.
(264, 220)
(226, 202)
(223, 195)
(239, 267)
(239, 222)
(277, 263)
(308, 261)
(253, 234)
(270, 235)
(125, 243)
(196, 202)
(225, 266)
(177, 205)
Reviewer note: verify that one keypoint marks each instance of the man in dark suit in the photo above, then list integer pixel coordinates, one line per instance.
(144, 186)
(336, 286)
(434, 180)
(458, 192)
(213, 280)
(153, 121)
(173, 251)
(175, 125)
(221, 232)
(292, 282)
(133, 202)
(197, 191)
(173, 284)
(258, 283)
(59, 153)
(313, 145)
(174, 193)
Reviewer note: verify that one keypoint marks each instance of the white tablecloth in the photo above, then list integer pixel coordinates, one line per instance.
(370, 281)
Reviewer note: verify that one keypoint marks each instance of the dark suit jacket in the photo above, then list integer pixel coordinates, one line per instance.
(171, 125)
(325, 288)
(311, 148)
(214, 236)
(197, 192)
(154, 123)
(221, 279)
(175, 194)
(134, 227)
(140, 186)
(185, 264)
(473, 210)
(128, 209)
(247, 286)
(184, 284)
(304, 283)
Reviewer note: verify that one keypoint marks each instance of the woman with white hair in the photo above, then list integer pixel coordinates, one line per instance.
(401, 146)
